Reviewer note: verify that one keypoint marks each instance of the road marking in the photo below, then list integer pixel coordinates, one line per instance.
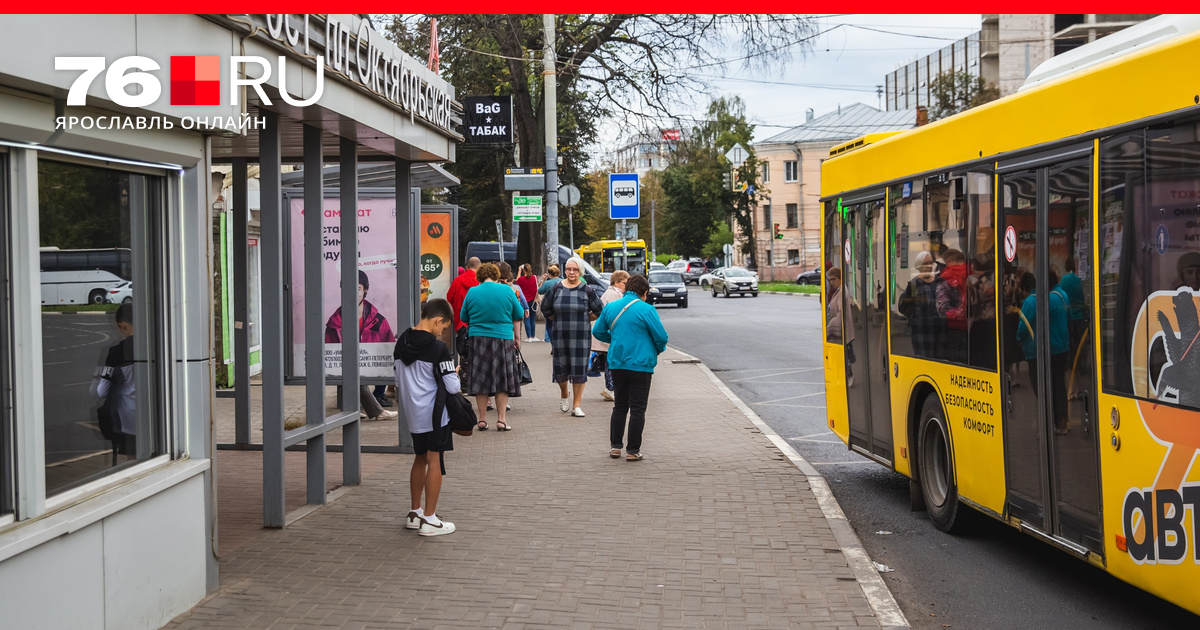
(861, 461)
(751, 378)
(777, 400)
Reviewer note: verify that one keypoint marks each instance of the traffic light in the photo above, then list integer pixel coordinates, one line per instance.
(727, 181)
(776, 232)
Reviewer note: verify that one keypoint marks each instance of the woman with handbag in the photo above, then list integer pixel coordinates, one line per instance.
(572, 306)
(616, 290)
(492, 314)
(529, 288)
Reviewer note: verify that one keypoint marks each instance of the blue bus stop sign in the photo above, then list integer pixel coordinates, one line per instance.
(624, 196)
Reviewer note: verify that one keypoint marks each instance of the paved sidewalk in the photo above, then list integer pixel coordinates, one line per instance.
(715, 528)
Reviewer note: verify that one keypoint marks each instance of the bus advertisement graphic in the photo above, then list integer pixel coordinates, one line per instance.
(1165, 364)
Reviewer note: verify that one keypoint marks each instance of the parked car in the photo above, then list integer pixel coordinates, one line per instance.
(733, 280)
(657, 266)
(607, 275)
(809, 277)
(706, 279)
(667, 287)
(121, 294)
(691, 270)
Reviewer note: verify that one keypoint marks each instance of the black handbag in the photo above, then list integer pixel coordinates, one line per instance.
(462, 414)
(523, 372)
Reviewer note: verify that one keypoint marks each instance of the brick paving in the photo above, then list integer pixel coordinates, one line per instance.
(715, 528)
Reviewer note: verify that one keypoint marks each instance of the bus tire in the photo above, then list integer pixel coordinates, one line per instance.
(935, 464)
(96, 296)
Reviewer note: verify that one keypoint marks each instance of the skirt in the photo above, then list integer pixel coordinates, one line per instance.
(492, 367)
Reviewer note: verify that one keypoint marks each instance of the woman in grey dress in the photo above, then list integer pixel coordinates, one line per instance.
(573, 306)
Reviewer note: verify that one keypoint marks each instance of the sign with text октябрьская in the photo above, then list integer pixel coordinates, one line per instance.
(488, 119)
(527, 208)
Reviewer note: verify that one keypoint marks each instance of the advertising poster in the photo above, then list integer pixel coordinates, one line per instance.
(377, 266)
(435, 253)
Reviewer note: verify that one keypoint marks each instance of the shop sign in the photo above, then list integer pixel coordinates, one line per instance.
(488, 119)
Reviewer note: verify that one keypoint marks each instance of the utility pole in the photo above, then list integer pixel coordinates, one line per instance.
(551, 99)
(653, 236)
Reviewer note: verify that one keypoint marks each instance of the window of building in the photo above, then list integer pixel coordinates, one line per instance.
(1149, 263)
(766, 173)
(767, 217)
(101, 314)
(7, 490)
(944, 269)
(793, 257)
(790, 172)
(793, 216)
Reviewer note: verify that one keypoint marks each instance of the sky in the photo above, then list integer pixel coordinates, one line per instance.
(852, 60)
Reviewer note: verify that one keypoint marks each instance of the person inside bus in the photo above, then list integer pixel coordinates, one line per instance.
(839, 323)
(982, 313)
(918, 304)
(1072, 287)
(952, 305)
(1189, 272)
(1059, 343)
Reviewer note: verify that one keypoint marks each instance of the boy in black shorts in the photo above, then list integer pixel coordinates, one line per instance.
(420, 353)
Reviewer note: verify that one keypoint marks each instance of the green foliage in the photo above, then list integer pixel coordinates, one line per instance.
(82, 207)
(665, 258)
(696, 202)
(789, 287)
(721, 237)
(957, 91)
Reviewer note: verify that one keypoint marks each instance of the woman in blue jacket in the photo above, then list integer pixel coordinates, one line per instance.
(636, 337)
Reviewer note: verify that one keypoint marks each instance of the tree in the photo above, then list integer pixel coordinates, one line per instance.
(718, 240)
(696, 200)
(957, 91)
(633, 66)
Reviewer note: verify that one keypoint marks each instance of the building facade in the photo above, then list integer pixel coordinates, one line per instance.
(647, 151)
(790, 185)
(109, 129)
(1004, 52)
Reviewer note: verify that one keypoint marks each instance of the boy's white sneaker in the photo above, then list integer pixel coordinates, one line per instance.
(429, 528)
(414, 520)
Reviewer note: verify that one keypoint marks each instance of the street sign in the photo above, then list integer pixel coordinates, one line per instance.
(728, 249)
(629, 234)
(1010, 243)
(527, 208)
(624, 196)
(737, 155)
(517, 179)
(487, 119)
(568, 195)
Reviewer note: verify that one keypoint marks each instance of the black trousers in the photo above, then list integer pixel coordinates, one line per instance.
(632, 390)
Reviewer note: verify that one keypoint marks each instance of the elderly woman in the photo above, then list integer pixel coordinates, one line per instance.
(572, 306)
(616, 290)
(491, 312)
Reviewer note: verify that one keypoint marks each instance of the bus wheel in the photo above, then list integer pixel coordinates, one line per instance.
(96, 296)
(937, 478)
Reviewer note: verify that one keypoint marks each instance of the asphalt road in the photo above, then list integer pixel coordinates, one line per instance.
(768, 351)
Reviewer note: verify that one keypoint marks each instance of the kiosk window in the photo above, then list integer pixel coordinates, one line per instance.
(100, 366)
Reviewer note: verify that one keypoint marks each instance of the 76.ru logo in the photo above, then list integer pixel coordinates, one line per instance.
(195, 80)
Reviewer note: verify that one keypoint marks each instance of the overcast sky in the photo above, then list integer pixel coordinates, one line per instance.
(843, 66)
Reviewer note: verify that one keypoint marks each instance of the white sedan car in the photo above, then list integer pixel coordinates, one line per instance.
(706, 279)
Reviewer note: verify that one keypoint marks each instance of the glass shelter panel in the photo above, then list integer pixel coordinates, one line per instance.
(99, 364)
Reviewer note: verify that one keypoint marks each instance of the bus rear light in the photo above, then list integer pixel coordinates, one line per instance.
(904, 452)
(1121, 543)
(831, 423)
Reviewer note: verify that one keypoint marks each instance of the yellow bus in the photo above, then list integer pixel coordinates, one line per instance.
(1015, 323)
(606, 256)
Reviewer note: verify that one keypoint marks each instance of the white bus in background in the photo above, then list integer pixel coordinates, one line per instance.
(86, 276)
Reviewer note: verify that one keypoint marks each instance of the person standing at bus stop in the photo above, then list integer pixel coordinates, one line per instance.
(529, 288)
(548, 281)
(572, 306)
(455, 296)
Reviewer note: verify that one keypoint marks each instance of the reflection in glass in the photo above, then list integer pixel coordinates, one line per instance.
(94, 344)
(7, 491)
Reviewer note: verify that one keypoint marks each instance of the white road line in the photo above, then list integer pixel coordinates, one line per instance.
(778, 400)
(751, 378)
(861, 461)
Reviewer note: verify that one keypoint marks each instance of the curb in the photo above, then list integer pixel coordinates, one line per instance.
(807, 295)
(887, 611)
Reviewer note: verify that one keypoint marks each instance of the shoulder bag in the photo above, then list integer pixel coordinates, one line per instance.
(462, 415)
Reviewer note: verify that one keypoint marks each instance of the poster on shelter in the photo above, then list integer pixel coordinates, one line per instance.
(377, 286)
(435, 253)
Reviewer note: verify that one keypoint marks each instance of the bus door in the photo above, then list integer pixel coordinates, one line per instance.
(1046, 345)
(865, 309)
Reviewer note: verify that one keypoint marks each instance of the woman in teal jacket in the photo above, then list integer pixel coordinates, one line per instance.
(636, 337)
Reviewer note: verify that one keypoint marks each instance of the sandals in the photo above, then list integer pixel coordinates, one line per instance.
(633, 457)
(502, 426)
(615, 453)
(482, 425)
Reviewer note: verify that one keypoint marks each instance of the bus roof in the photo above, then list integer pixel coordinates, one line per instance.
(1134, 86)
(609, 243)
